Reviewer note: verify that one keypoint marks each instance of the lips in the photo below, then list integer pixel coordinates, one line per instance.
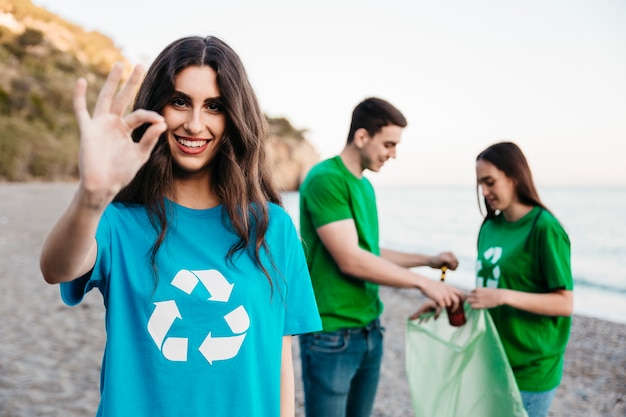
(190, 145)
(492, 202)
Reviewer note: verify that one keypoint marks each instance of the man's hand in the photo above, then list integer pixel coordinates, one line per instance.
(443, 259)
(442, 294)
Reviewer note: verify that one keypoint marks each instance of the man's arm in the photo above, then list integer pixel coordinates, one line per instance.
(412, 260)
(341, 240)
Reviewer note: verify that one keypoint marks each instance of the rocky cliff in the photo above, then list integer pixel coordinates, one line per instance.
(290, 155)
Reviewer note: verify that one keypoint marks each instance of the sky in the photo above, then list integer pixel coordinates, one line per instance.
(549, 75)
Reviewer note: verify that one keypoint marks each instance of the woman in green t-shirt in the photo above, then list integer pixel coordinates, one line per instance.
(524, 274)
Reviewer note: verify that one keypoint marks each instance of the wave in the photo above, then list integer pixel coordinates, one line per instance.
(585, 283)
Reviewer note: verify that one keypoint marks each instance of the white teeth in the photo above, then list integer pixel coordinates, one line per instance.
(192, 143)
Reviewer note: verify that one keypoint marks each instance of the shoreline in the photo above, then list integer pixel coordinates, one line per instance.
(50, 355)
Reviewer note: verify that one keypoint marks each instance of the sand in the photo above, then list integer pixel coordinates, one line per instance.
(50, 354)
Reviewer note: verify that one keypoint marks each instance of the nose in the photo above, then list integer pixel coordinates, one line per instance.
(392, 153)
(193, 123)
(485, 190)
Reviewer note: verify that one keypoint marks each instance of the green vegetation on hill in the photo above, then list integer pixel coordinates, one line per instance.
(38, 131)
(41, 57)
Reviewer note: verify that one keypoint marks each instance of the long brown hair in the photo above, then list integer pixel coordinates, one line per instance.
(239, 172)
(509, 158)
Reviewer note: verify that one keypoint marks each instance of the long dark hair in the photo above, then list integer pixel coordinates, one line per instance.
(239, 172)
(508, 158)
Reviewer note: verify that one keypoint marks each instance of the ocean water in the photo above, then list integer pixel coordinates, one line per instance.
(432, 219)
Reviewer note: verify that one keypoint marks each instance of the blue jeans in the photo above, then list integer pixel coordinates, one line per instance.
(537, 404)
(340, 371)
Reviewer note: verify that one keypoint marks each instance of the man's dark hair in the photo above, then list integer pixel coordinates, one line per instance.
(372, 114)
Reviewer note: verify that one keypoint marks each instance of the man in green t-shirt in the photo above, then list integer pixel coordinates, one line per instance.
(339, 229)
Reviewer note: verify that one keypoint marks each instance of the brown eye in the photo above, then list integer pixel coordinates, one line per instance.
(214, 107)
(178, 102)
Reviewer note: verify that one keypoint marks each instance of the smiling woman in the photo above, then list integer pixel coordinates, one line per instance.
(195, 122)
(178, 224)
(524, 274)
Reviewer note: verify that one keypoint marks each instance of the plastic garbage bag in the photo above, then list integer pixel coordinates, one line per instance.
(460, 371)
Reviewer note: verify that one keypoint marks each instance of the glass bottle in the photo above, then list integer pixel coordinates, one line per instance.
(456, 316)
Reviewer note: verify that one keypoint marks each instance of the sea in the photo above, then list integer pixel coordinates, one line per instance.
(431, 219)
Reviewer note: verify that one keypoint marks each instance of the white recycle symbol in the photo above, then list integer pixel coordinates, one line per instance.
(492, 254)
(212, 348)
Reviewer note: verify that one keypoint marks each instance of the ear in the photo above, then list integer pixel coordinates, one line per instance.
(361, 137)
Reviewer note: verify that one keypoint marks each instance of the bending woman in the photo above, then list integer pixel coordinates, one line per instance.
(524, 275)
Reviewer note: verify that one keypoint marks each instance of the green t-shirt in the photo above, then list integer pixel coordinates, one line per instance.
(532, 255)
(331, 193)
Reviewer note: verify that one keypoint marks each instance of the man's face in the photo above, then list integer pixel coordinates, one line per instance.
(377, 149)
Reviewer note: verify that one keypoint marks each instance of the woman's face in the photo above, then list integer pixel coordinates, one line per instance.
(497, 188)
(195, 119)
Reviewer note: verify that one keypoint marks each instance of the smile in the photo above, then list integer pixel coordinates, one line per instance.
(189, 143)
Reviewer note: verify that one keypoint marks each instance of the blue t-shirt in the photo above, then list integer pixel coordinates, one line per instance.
(201, 335)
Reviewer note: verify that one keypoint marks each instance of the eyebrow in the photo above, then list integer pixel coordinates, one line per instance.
(177, 93)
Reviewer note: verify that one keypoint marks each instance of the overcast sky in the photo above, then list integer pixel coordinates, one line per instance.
(548, 75)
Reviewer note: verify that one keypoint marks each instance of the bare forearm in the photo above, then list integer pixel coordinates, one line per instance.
(559, 303)
(372, 268)
(341, 240)
(405, 259)
(369, 267)
(70, 248)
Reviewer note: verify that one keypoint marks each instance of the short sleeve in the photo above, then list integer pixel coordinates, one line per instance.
(327, 200)
(301, 313)
(555, 254)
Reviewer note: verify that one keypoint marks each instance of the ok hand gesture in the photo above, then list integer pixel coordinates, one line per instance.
(109, 159)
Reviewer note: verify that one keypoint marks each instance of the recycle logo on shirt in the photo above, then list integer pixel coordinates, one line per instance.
(212, 348)
(488, 275)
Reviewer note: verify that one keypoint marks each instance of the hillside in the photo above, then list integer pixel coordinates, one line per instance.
(41, 57)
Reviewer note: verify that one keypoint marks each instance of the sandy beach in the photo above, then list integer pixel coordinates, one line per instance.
(50, 354)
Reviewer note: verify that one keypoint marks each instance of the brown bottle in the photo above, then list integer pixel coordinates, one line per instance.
(456, 317)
